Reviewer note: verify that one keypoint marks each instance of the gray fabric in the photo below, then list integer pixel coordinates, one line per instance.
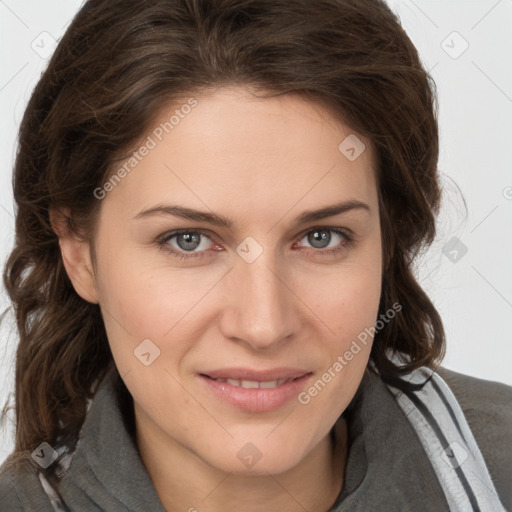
(387, 468)
(446, 437)
(488, 410)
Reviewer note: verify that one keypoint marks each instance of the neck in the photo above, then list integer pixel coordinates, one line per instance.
(184, 482)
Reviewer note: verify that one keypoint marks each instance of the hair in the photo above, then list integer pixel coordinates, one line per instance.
(117, 64)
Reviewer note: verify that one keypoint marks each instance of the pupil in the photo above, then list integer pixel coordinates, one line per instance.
(319, 239)
(188, 241)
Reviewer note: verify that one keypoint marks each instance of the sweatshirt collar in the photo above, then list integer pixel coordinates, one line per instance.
(386, 468)
(106, 467)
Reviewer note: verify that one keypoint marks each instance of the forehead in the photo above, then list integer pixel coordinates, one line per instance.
(234, 150)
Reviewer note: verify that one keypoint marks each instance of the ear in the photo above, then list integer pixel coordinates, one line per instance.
(76, 256)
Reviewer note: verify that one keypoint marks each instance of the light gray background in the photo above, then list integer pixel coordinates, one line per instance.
(472, 290)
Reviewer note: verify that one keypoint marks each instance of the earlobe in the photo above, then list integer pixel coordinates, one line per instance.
(76, 256)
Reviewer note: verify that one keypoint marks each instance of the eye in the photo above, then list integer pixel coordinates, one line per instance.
(186, 243)
(332, 239)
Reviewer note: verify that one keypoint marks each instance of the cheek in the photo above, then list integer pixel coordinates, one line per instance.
(141, 302)
(345, 300)
(348, 309)
(146, 296)
(346, 304)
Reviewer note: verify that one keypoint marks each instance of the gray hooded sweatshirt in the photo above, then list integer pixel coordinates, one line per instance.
(387, 468)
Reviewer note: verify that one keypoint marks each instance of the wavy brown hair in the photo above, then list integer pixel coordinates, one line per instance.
(116, 65)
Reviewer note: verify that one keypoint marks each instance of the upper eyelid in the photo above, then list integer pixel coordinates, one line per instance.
(176, 232)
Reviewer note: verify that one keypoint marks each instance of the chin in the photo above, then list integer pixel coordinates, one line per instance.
(256, 458)
(275, 465)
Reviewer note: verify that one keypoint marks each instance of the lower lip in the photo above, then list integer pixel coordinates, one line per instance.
(257, 399)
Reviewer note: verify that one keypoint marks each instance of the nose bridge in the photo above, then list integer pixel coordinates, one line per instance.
(260, 306)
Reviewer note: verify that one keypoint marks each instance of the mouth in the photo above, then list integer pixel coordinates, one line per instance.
(253, 384)
(256, 391)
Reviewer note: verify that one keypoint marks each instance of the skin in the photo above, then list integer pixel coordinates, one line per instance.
(261, 163)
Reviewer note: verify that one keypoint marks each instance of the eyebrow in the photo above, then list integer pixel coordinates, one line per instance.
(221, 221)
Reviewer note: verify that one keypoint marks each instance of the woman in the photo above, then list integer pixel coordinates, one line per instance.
(219, 203)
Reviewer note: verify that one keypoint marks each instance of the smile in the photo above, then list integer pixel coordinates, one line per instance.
(266, 394)
(254, 384)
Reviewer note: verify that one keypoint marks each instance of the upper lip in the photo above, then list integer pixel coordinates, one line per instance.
(256, 375)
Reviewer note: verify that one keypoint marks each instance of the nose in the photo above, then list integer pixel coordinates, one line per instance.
(260, 308)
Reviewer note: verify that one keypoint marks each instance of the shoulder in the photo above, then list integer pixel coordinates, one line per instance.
(9, 499)
(478, 390)
(21, 490)
(487, 406)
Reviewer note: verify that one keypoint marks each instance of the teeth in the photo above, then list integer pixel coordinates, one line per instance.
(253, 384)
(249, 384)
(269, 384)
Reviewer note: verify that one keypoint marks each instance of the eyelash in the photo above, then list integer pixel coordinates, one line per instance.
(162, 242)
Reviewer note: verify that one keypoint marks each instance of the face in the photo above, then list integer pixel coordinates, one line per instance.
(236, 263)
